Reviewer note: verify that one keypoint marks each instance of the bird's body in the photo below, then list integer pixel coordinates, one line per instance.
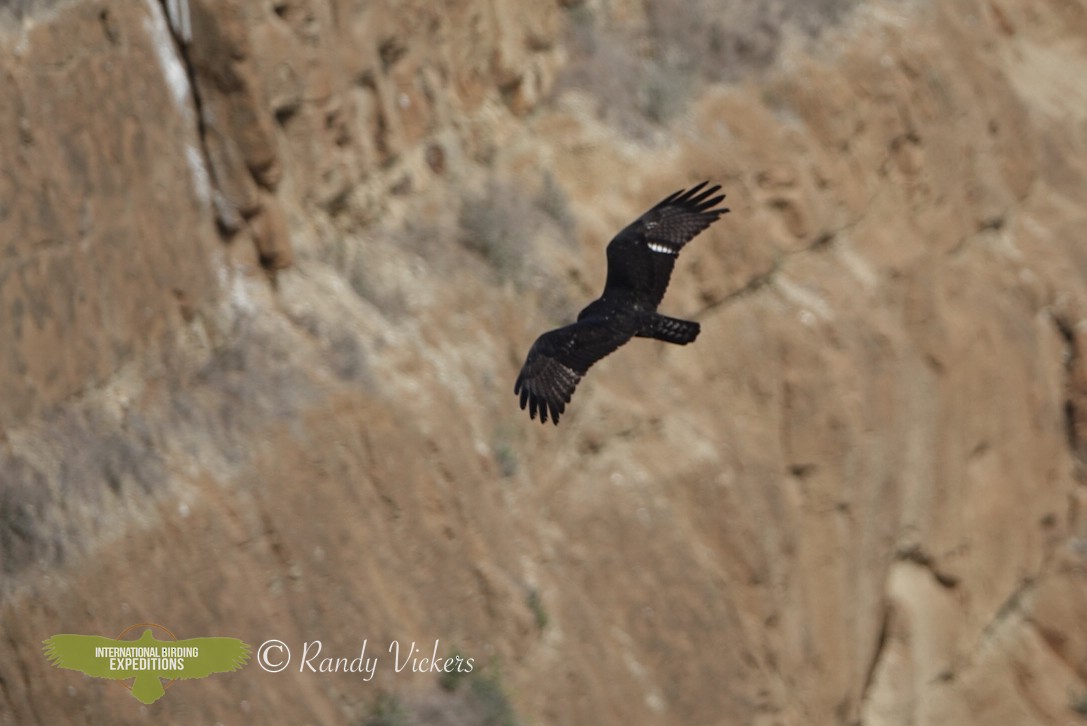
(640, 263)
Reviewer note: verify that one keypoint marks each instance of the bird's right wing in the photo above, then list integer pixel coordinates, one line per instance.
(641, 256)
(557, 361)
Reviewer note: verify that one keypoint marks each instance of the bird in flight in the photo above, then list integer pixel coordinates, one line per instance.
(640, 262)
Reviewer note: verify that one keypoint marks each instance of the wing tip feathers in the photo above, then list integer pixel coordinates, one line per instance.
(699, 197)
(546, 408)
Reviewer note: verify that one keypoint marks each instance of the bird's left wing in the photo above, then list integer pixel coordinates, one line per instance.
(215, 655)
(557, 361)
(80, 653)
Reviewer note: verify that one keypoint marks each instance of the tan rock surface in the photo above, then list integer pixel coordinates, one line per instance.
(857, 499)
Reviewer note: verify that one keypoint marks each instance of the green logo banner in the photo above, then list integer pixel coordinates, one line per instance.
(148, 660)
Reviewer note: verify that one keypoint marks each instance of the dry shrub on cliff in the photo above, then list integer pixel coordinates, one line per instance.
(552, 201)
(13, 11)
(387, 711)
(476, 698)
(723, 42)
(24, 537)
(1079, 704)
(390, 300)
(493, 225)
(605, 64)
(504, 222)
(82, 450)
(504, 455)
(648, 72)
(481, 698)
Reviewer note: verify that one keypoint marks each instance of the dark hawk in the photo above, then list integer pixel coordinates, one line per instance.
(640, 262)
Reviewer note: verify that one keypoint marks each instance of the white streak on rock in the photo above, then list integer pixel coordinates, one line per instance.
(172, 68)
(177, 80)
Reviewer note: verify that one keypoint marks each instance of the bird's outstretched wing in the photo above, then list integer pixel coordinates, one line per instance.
(216, 655)
(641, 257)
(557, 361)
(77, 653)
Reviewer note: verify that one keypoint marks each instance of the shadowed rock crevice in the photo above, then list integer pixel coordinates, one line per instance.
(918, 556)
(1012, 609)
(886, 627)
(1075, 389)
(180, 31)
(233, 123)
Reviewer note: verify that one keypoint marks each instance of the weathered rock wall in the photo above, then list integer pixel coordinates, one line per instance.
(285, 269)
(103, 198)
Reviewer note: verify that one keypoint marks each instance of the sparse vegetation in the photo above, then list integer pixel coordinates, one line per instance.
(504, 455)
(502, 224)
(493, 227)
(472, 698)
(507, 460)
(387, 711)
(94, 457)
(605, 66)
(645, 73)
(552, 201)
(348, 358)
(23, 538)
(367, 284)
(535, 603)
(450, 680)
(1078, 703)
(485, 697)
(489, 697)
(664, 92)
(724, 44)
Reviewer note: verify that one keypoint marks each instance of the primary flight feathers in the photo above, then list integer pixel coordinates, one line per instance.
(640, 262)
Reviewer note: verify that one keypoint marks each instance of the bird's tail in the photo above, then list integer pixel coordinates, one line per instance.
(670, 330)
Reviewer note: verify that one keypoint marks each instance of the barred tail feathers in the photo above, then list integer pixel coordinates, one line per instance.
(670, 330)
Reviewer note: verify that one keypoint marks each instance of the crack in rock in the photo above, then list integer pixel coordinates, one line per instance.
(918, 556)
(1075, 415)
(882, 639)
(821, 241)
(179, 21)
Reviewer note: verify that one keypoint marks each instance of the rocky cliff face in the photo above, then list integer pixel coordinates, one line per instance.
(268, 271)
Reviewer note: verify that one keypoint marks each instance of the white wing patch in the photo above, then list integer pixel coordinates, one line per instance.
(662, 248)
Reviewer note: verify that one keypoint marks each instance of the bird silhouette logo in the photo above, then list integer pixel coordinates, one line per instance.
(147, 660)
